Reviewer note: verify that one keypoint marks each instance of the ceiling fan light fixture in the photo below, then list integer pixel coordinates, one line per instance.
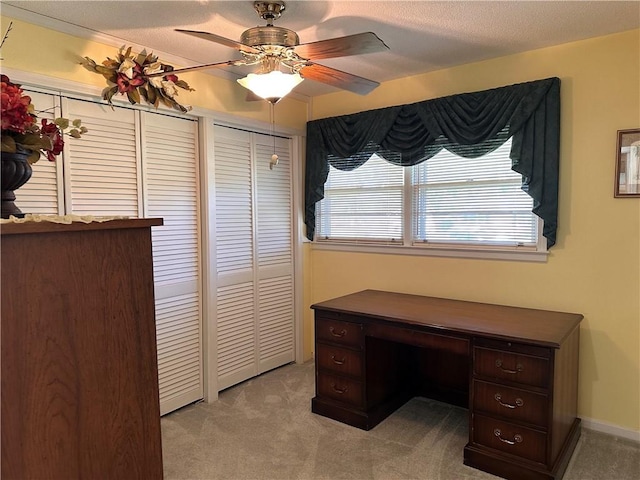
(271, 86)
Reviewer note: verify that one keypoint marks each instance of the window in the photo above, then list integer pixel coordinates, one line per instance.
(363, 204)
(445, 202)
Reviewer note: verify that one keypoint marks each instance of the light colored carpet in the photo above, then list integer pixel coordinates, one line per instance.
(263, 429)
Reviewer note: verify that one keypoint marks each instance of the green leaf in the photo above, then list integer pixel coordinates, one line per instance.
(89, 64)
(152, 95)
(143, 94)
(166, 101)
(104, 70)
(108, 93)
(33, 157)
(63, 123)
(184, 85)
(110, 63)
(133, 96)
(77, 123)
(8, 144)
(32, 142)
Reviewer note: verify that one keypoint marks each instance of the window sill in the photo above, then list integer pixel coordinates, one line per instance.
(520, 254)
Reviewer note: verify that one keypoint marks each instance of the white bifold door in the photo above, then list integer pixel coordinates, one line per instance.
(138, 164)
(40, 195)
(254, 254)
(170, 179)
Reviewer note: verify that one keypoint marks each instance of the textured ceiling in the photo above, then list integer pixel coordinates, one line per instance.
(422, 35)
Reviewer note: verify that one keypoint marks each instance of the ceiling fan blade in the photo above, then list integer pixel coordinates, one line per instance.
(212, 37)
(228, 63)
(359, 43)
(337, 78)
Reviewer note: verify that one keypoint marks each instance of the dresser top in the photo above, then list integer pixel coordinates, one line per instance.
(77, 226)
(540, 327)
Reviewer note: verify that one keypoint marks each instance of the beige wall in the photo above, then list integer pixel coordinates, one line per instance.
(594, 269)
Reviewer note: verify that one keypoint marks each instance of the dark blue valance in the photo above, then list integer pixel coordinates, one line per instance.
(469, 125)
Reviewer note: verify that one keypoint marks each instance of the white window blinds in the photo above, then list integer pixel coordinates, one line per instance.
(471, 200)
(445, 200)
(363, 204)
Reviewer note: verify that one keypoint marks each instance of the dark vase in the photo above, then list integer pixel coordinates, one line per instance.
(16, 171)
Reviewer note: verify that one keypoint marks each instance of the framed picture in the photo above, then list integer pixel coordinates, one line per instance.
(628, 164)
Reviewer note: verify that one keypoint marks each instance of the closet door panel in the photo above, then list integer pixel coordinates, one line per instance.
(133, 163)
(235, 295)
(236, 334)
(40, 195)
(275, 253)
(169, 158)
(102, 169)
(275, 297)
(254, 254)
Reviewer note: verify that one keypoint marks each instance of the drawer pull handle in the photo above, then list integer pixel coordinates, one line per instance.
(339, 334)
(519, 401)
(518, 369)
(341, 391)
(516, 439)
(336, 361)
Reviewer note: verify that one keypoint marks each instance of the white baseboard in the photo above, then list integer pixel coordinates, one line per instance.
(610, 429)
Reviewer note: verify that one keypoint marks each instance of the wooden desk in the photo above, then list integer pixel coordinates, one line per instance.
(516, 370)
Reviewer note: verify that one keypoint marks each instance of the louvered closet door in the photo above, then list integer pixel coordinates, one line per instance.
(102, 174)
(235, 296)
(275, 253)
(40, 194)
(169, 156)
(254, 300)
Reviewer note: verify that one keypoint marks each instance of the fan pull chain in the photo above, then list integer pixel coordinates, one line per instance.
(272, 118)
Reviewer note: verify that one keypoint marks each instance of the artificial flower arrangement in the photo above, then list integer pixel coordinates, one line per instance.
(140, 77)
(21, 132)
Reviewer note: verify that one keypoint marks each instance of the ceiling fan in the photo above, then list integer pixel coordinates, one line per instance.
(274, 49)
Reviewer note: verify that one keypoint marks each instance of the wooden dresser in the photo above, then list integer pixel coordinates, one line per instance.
(79, 367)
(515, 369)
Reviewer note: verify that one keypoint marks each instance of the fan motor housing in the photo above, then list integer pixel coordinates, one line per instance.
(269, 35)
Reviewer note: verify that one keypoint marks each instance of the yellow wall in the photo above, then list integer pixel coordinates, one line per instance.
(594, 269)
(40, 50)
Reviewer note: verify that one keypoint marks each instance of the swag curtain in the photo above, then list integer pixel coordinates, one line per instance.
(469, 125)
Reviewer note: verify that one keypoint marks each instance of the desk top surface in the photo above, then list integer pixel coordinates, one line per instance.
(539, 327)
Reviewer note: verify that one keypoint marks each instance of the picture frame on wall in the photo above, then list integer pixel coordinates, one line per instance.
(627, 181)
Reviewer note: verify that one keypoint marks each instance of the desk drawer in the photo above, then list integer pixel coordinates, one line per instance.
(339, 360)
(511, 366)
(340, 389)
(510, 403)
(335, 331)
(506, 437)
